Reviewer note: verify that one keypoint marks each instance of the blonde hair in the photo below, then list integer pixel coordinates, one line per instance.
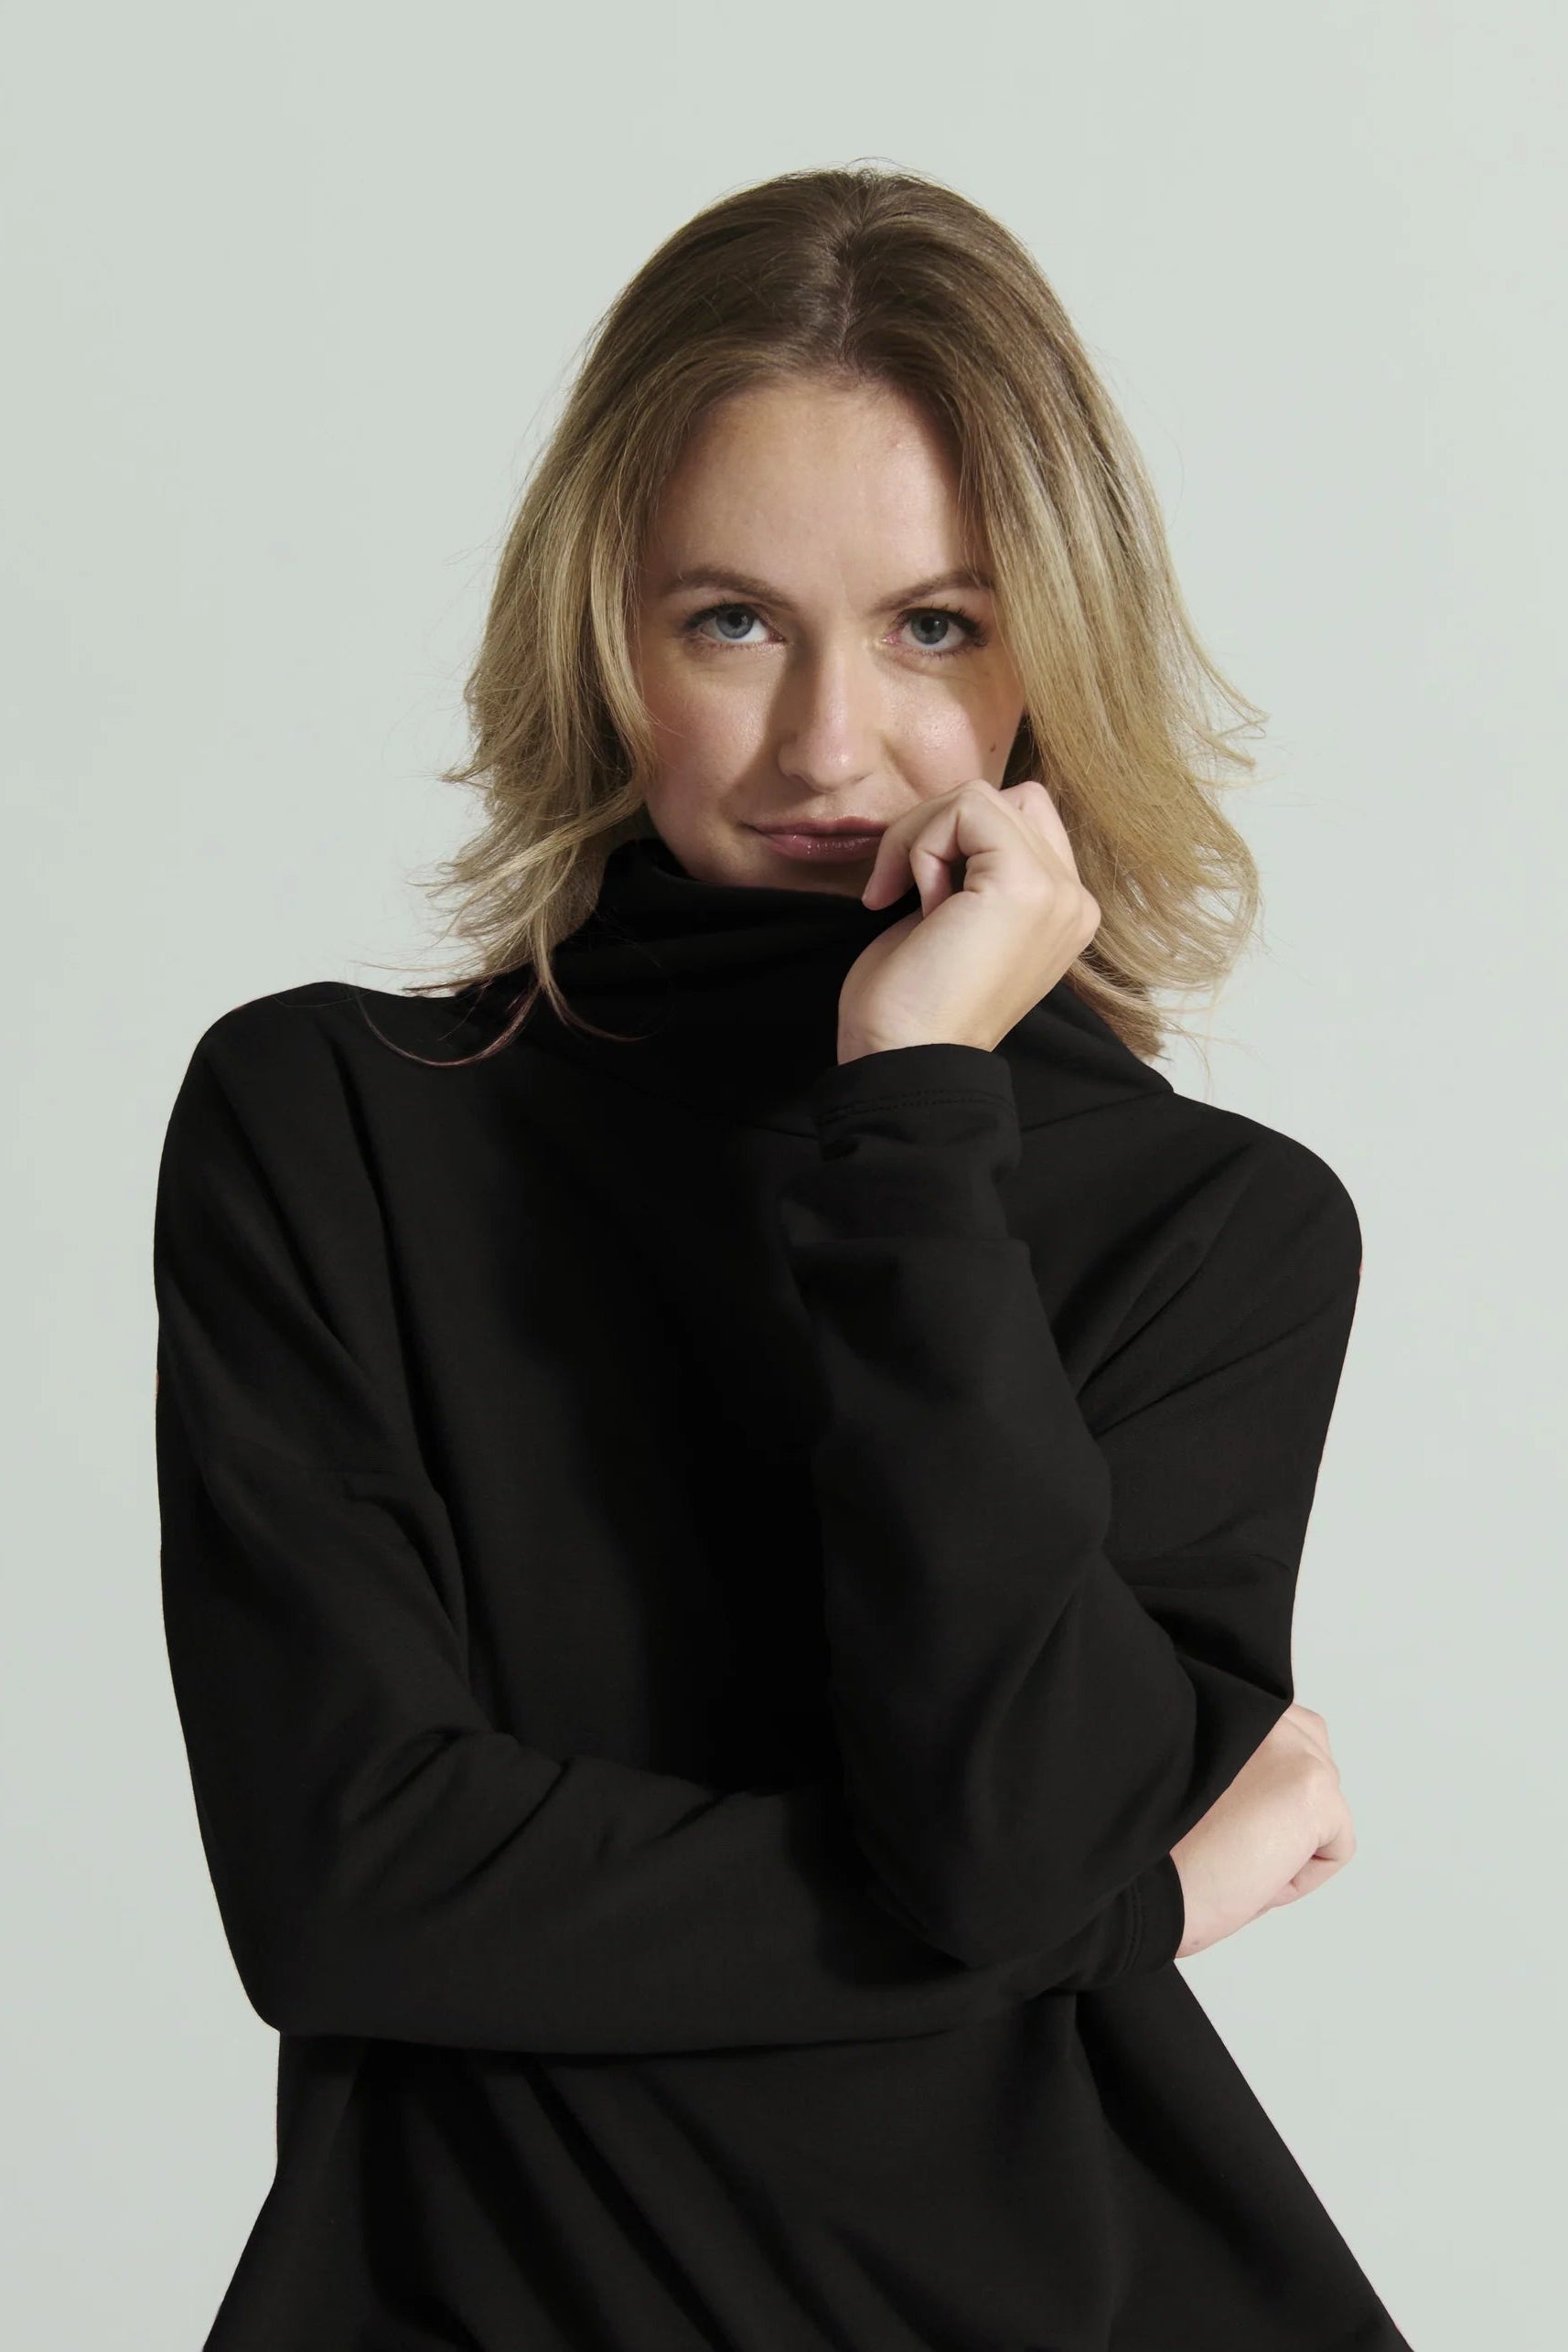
(875, 276)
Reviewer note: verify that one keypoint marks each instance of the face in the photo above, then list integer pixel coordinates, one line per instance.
(813, 642)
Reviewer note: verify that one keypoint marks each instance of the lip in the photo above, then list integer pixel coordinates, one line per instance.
(841, 843)
(859, 826)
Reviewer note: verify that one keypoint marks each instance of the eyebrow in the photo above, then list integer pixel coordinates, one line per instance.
(707, 575)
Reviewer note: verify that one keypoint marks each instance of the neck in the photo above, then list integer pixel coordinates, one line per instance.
(725, 996)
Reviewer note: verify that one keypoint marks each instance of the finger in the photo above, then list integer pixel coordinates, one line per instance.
(935, 877)
(975, 823)
(923, 847)
(995, 828)
(909, 854)
(1313, 1875)
(1035, 805)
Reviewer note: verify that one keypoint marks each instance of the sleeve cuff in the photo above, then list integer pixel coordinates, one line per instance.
(913, 1143)
(1161, 1920)
(911, 1074)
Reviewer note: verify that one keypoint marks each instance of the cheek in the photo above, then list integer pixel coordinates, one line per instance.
(966, 729)
(703, 723)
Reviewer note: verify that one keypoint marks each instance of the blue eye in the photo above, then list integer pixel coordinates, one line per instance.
(971, 633)
(723, 613)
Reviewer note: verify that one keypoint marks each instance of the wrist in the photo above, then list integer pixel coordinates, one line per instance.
(853, 1045)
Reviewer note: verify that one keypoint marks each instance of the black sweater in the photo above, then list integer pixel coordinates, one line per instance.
(702, 1585)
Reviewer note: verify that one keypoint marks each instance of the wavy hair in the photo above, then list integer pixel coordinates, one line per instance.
(866, 274)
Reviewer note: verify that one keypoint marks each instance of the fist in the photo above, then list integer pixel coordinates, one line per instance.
(1279, 1830)
(984, 948)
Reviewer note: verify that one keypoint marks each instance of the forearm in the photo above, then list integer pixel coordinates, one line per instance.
(1022, 1736)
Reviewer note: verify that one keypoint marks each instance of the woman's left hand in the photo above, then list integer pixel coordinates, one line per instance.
(980, 954)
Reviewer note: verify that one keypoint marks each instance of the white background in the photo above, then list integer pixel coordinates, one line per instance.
(292, 292)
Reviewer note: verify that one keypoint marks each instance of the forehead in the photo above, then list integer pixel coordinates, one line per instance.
(795, 466)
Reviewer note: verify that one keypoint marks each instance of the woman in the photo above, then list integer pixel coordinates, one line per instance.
(731, 1488)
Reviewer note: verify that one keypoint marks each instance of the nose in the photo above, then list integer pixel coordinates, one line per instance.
(828, 719)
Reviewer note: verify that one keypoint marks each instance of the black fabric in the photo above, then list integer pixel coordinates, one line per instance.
(702, 1586)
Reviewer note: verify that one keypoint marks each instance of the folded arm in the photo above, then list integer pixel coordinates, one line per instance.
(1058, 1627)
(388, 1861)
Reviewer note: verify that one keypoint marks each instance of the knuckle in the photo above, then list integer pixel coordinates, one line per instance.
(1314, 1775)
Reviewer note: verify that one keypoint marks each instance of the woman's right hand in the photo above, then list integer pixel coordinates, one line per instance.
(1279, 1830)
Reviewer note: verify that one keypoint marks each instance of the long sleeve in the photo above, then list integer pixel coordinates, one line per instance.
(387, 1861)
(1058, 1627)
